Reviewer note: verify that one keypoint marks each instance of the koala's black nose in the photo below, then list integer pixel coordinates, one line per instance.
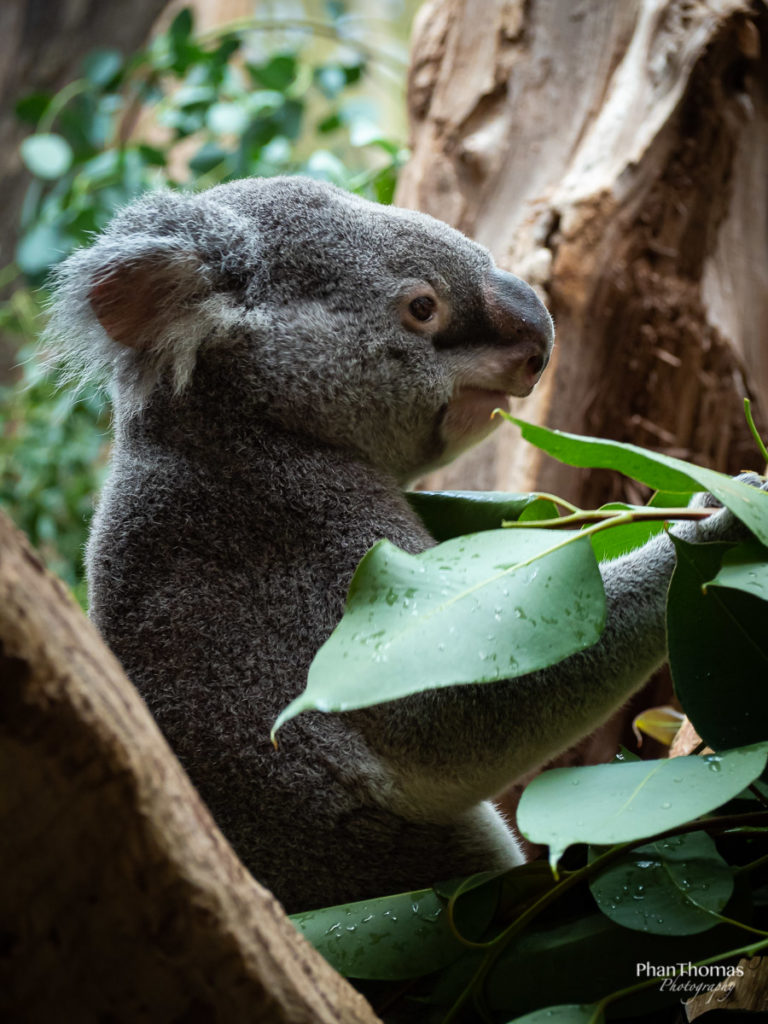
(518, 317)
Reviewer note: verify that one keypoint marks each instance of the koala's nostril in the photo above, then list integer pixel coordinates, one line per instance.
(535, 365)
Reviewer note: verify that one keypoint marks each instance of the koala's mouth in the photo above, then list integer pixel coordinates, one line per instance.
(468, 417)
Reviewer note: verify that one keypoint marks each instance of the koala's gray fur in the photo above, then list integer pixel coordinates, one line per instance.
(273, 392)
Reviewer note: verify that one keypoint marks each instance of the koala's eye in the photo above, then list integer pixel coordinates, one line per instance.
(422, 311)
(422, 307)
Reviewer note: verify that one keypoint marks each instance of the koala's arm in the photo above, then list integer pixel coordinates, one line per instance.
(448, 748)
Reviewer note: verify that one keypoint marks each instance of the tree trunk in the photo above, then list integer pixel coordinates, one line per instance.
(616, 156)
(122, 901)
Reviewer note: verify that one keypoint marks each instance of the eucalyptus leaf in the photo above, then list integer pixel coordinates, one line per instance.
(674, 886)
(40, 248)
(47, 155)
(481, 608)
(618, 803)
(671, 499)
(102, 66)
(662, 472)
(744, 567)
(563, 1014)
(181, 27)
(539, 509)
(448, 514)
(394, 937)
(227, 118)
(661, 723)
(620, 540)
(718, 648)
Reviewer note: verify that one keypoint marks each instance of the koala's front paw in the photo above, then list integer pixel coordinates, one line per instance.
(722, 525)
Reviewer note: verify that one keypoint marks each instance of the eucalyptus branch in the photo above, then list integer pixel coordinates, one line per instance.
(758, 794)
(60, 100)
(611, 517)
(744, 869)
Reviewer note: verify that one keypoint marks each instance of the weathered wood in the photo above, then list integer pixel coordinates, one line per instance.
(121, 900)
(615, 155)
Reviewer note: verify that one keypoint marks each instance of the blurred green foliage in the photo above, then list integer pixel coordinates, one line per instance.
(188, 111)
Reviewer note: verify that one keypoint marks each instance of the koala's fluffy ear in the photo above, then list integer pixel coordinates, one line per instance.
(137, 300)
(139, 304)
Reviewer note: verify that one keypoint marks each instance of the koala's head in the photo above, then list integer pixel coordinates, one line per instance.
(374, 328)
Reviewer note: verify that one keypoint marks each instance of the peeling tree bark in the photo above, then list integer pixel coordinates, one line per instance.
(616, 156)
(121, 899)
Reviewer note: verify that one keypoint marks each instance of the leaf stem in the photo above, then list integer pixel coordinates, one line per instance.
(59, 101)
(611, 517)
(753, 428)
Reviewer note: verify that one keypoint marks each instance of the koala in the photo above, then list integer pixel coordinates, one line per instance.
(284, 358)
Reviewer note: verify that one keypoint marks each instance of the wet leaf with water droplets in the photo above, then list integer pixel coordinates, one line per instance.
(395, 937)
(514, 602)
(667, 888)
(662, 472)
(621, 802)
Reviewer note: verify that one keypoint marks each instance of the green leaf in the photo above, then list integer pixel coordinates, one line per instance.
(330, 79)
(448, 514)
(324, 165)
(227, 118)
(47, 156)
(30, 108)
(662, 472)
(394, 937)
(563, 1014)
(619, 803)
(620, 540)
(671, 499)
(102, 66)
(181, 27)
(539, 509)
(475, 609)
(278, 73)
(744, 567)
(210, 155)
(718, 649)
(668, 887)
(40, 248)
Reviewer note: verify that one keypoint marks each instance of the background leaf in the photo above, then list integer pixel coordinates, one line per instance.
(47, 155)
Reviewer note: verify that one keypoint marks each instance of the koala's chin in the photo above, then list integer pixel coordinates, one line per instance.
(469, 418)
